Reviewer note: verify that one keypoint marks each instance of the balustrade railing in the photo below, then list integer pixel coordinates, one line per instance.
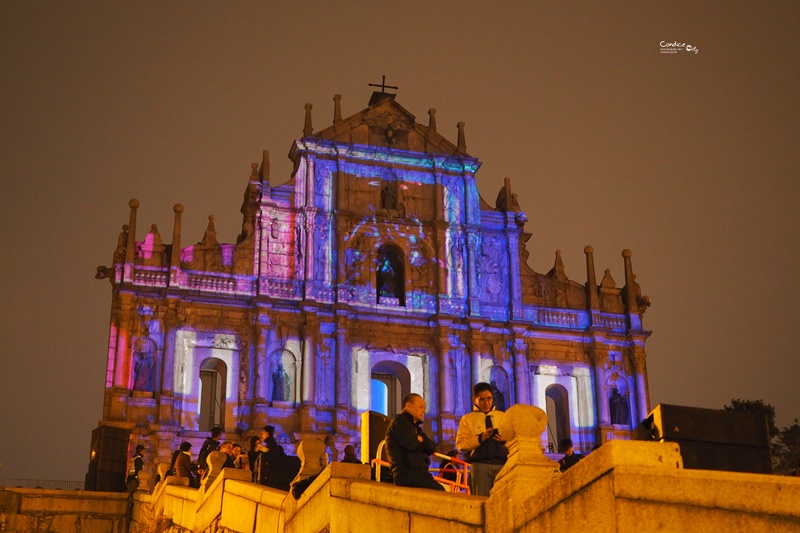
(49, 484)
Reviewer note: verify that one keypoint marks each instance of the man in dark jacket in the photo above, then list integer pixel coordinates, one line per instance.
(211, 444)
(408, 447)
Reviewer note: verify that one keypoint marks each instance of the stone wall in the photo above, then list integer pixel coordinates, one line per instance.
(622, 486)
(60, 511)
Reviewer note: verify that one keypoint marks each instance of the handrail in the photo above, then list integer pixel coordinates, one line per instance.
(460, 468)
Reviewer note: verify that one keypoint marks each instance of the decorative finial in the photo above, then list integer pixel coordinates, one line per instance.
(462, 143)
(630, 283)
(307, 128)
(432, 119)
(210, 237)
(591, 278)
(131, 244)
(558, 272)
(337, 108)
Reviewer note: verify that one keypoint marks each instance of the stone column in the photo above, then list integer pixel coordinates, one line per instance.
(122, 370)
(262, 375)
(642, 392)
(342, 373)
(515, 283)
(520, 374)
(473, 241)
(341, 249)
(260, 356)
(475, 350)
(533, 394)
(446, 379)
(440, 275)
(600, 357)
(309, 334)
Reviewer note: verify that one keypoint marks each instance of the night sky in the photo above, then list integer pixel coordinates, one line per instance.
(690, 160)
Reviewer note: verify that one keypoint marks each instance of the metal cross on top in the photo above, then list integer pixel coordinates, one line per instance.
(383, 85)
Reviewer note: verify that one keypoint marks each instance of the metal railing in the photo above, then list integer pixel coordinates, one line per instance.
(49, 484)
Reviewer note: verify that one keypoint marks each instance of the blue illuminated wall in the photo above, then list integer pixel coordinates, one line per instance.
(378, 257)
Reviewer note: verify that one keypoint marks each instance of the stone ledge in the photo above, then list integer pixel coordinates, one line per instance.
(442, 505)
(733, 491)
(643, 456)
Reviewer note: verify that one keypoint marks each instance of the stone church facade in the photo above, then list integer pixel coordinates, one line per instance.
(376, 270)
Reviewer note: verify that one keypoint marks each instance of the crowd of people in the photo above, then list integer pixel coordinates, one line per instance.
(478, 440)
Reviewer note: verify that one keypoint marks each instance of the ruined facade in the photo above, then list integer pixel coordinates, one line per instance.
(376, 270)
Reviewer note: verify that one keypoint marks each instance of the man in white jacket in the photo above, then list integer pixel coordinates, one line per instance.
(480, 441)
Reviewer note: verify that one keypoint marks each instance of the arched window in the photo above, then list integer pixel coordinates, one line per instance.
(213, 377)
(390, 276)
(558, 427)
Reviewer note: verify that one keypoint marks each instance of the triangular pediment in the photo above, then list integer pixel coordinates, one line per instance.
(387, 124)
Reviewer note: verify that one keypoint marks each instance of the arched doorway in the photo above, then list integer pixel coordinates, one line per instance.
(558, 427)
(213, 379)
(390, 382)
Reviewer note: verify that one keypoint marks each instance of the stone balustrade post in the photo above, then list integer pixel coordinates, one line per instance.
(526, 472)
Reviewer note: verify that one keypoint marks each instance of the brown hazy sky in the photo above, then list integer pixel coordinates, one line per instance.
(689, 160)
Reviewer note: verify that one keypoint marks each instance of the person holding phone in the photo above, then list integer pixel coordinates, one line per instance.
(479, 439)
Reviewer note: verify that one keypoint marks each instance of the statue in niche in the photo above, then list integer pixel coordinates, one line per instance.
(298, 243)
(498, 398)
(455, 257)
(322, 258)
(144, 361)
(388, 197)
(618, 406)
(387, 276)
(491, 266)
(281, 384)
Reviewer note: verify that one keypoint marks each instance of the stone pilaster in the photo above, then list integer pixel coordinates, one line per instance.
(342, 373)
(309, 332)
(473, 244)
(642, 392)
(520, 371)
(601, 357)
